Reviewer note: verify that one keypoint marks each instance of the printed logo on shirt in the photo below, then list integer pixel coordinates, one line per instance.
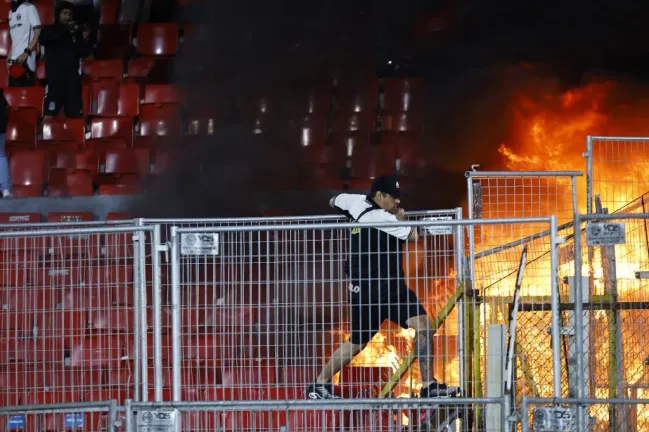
(18, 17)
(52, 106)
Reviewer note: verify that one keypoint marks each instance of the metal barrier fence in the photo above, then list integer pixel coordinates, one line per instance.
(610, 353)
(616, 170)
(79, 416)
(539, 414)
(72, 325)
(358, 415)
(304, 289)
(494, 252)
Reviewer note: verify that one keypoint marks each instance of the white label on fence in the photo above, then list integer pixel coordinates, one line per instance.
(555, 419)
(439, 229)
(157, 420)
(16, 422)
(605, 233)
(73, 420)
(199, 244)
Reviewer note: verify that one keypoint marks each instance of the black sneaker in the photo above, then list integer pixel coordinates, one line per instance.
(321, 391)
(439, 390)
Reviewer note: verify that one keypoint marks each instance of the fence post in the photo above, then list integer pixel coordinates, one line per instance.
(156, 249)
(141, 292)
(579, 318)
(459, 277)
(175, 316)
(589, 174)
(137, 308)
(129, 415)
(554, 298)
(112, 415)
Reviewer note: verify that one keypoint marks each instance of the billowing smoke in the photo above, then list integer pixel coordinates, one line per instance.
(474, 58)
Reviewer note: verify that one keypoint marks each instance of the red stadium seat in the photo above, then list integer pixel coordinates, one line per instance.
(160, 122)
(65, 130)
(402, 123)
(45, 12)
(249, 375)
(21, 129)
(120, 128)
(104, 97)
(76, 183)
(100, 350)
(113, 284)
(357, 98)
(5, 7)
(129, 100)
(29, 173)
(26, 97)
(219, 348)
(36, 349)
(402, 95)
(161, 162)
(126, 161)
(114, 41)
(157, 39)
(140, 67)
(370, 162)
(161, 94)
(109, 12)
(354, 122)
(102, 69)
(86, 160)
(4, 73)
(20, 136)
(5, 40)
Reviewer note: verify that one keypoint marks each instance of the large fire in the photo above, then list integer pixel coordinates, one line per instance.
(549, 132)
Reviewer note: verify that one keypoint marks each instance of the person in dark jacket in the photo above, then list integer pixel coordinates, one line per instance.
(66, 43)
(5, 175)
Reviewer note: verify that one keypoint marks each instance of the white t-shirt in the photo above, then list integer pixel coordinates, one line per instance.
(21, 25)
(360, 209)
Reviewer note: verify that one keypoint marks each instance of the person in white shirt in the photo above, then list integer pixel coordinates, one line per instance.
(24, 28)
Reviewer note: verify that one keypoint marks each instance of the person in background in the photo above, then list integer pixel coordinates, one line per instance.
(5, 175)
(25, 29)
(66, 43)
(86, 13)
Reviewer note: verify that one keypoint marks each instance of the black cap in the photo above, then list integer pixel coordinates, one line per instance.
(387, 184)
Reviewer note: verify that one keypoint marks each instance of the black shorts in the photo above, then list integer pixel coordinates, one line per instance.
(371, 303)
(66, 93)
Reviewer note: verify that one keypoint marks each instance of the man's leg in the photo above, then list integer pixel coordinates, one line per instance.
(365, 320)
(339, 359)
(416, 317)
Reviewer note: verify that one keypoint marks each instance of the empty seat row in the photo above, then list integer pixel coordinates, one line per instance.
(152, 39)
(102, 93)
(76, 172)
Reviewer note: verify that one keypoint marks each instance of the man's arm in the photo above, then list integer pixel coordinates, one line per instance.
(50, 34)
(401, 216)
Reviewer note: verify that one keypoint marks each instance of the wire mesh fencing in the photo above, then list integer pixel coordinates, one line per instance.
(613, 349)
(283, 297)
(616, 170)
(359, 415)
(540, 414)
(71, 320)
(79, 416)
